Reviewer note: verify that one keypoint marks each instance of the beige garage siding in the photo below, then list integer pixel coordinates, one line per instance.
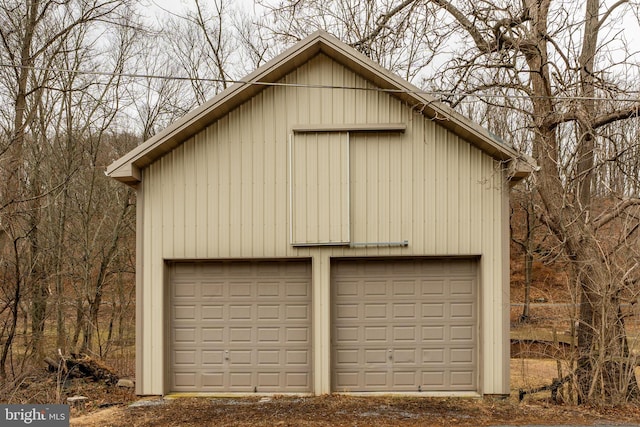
(404, 326)
(240, 327)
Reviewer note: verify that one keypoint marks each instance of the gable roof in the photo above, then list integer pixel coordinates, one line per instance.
(127, 169)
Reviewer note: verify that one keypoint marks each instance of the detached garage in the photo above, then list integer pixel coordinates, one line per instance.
(322, 227)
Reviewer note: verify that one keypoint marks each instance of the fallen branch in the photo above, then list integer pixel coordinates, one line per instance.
(554, 386)
(82, 366)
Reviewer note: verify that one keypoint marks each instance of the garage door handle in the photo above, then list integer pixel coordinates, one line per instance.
(226, 355)
(390, 354)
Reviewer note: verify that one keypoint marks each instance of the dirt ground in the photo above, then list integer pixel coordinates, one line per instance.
(341, 410)
(112, 406)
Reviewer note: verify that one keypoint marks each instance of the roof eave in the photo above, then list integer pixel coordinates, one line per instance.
(196, 120)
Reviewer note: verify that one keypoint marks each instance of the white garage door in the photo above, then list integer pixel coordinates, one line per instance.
(240, 327)
(401, 326)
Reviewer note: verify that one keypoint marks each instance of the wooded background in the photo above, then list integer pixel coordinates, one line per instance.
(84, 81)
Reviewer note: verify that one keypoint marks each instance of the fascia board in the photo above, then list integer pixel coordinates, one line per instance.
(321, 41)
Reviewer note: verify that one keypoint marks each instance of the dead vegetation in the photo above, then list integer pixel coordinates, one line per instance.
(339, 410)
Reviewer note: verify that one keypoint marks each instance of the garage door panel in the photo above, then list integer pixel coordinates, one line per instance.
(462, 311)
(215, 358)
(241, 327)
(433, 355)
(268, 312)
(184, 312)
(405, 380)
(405, 356)
(374, 334)
(462, 378)
(375, 289)
(297, 289)
(347, 311)
(212, 290)
(403, 288)
(405, 311)
(212, 335)
(347, 381)
(269, 335)
(268, 290)
(462, 355)
(297, 357)
(433, 333)
(461, 287)
(213, 380)
(298, 335)
(433, 311)
(433, 288)
(375, 311)
(297, 312)
(297, 380)
(184, 335)
(404, 325)
(212, 312)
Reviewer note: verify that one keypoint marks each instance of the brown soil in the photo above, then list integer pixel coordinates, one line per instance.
(340, 410)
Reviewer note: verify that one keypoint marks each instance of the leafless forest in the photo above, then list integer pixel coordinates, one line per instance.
(84, 81)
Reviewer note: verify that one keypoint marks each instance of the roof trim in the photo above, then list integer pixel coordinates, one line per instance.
(127, 169)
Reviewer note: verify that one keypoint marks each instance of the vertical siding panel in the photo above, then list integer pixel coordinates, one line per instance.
(246, 173)
(313, 95)
(358, 196)
(163, 175)
(442, 162)
(384, 185)
(212, 159)
(372, 105)
(235, 185)
(269, 217)
(345, 189)
(396, 111)
(360, 100)
(258, 179)
(190, 200)
(429, 217)
(326, 79)
(372, 213)
(153, 321)
(349, 95)
(415, 229)
(464, 243)
(281, 151)
(153, 249)
(177, 157)
(383, 107)
(202, 202)
(337, 108)
(322, 196)
(224, 186)
(476, 200)
(396, 208)
(453, 174)
(311, 219)
(339, 185)
(488, 269)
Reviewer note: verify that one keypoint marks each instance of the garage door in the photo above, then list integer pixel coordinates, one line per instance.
(401, 326)
(240, 327)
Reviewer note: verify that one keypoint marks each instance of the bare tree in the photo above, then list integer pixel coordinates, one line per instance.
(41, 41)
(557, 64)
